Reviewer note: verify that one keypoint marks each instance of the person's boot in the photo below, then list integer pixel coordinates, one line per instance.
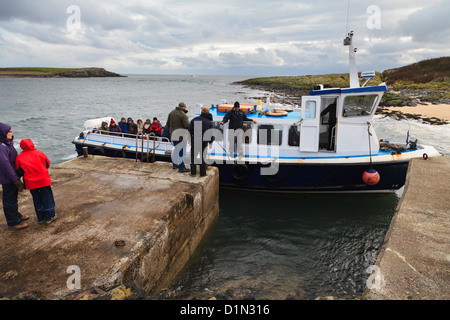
(20, 226)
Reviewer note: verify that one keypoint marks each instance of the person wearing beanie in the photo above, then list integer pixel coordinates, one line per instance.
(236, 117)
(11, 183)
(33, 165)
(197, 128)
(114, 129)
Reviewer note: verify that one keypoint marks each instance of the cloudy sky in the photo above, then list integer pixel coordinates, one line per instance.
(227, 37)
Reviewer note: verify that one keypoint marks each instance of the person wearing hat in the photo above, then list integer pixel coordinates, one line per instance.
(176, 120)
(236, 117)
(197, 128)
(9, 179)
(156, 127)
(33, 165)
(114, 128)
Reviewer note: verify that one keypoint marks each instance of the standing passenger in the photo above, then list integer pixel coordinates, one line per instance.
(33, 165)
(197, 128)
(179, 120)
(9, 179)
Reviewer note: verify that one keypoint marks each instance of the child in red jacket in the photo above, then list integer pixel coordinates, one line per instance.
(33, 165)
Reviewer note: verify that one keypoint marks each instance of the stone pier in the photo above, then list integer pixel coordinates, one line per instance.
(414, 262)
(118, 221)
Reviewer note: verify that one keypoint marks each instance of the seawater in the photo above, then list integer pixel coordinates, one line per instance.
(263, 245)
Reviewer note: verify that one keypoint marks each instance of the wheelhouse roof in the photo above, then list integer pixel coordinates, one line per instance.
(380, 88)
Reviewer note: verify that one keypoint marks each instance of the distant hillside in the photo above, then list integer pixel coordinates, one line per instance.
(426, 71)
(427, 81)
(55, 73)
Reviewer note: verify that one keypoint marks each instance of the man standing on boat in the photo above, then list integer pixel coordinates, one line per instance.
(331, 109)
(179, 120)
(235, 129)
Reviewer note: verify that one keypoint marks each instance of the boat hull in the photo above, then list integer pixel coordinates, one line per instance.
(291, 177)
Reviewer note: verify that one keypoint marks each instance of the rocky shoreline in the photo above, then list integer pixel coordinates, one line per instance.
(58, 73)
(392, 98)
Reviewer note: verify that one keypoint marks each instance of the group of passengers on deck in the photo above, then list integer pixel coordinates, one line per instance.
(130, 128)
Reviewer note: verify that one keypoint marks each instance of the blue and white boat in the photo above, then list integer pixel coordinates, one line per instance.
(291, 149)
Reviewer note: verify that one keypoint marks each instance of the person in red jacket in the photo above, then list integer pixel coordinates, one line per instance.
(33, 165)
(156, 127)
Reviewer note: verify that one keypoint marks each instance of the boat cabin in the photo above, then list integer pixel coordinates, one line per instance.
(329, 121)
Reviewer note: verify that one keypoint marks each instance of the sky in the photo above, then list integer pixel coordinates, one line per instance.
(227, 37)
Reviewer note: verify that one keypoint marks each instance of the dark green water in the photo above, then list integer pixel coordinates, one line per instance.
(278, 246)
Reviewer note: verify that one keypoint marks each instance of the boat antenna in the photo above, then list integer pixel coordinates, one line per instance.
(348, 17)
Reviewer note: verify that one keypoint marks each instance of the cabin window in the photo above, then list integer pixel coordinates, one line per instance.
(309, 109)
(359, 106)
(269, 134)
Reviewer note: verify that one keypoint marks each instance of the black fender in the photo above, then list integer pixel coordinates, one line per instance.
(99, 151)
(240, 171)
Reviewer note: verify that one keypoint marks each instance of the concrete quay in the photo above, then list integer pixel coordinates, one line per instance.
(159, 214)
(414, 261)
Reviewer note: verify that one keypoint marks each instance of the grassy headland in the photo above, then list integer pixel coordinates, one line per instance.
(427, 81)
(43, 72)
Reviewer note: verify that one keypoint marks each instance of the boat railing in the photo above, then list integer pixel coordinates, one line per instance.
(158, 142)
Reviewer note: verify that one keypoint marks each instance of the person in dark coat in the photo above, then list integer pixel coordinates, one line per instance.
(197, 128)
(176, 120)
(236, 117)
(132, 131)
(331, 110)
(33, 165)
(9, 179)
(129, 123)
(114, 129)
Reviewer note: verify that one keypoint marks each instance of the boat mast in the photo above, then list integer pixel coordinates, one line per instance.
(354, 81)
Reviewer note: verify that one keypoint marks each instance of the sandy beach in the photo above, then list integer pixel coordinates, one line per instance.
(440, 111)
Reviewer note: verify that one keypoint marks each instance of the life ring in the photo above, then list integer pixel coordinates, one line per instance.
(425, 156)
(276, 114)
(99, 151)
(240, 172)
(283, 109)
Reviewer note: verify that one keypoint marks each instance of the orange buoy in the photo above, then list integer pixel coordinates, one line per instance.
(371, 177)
